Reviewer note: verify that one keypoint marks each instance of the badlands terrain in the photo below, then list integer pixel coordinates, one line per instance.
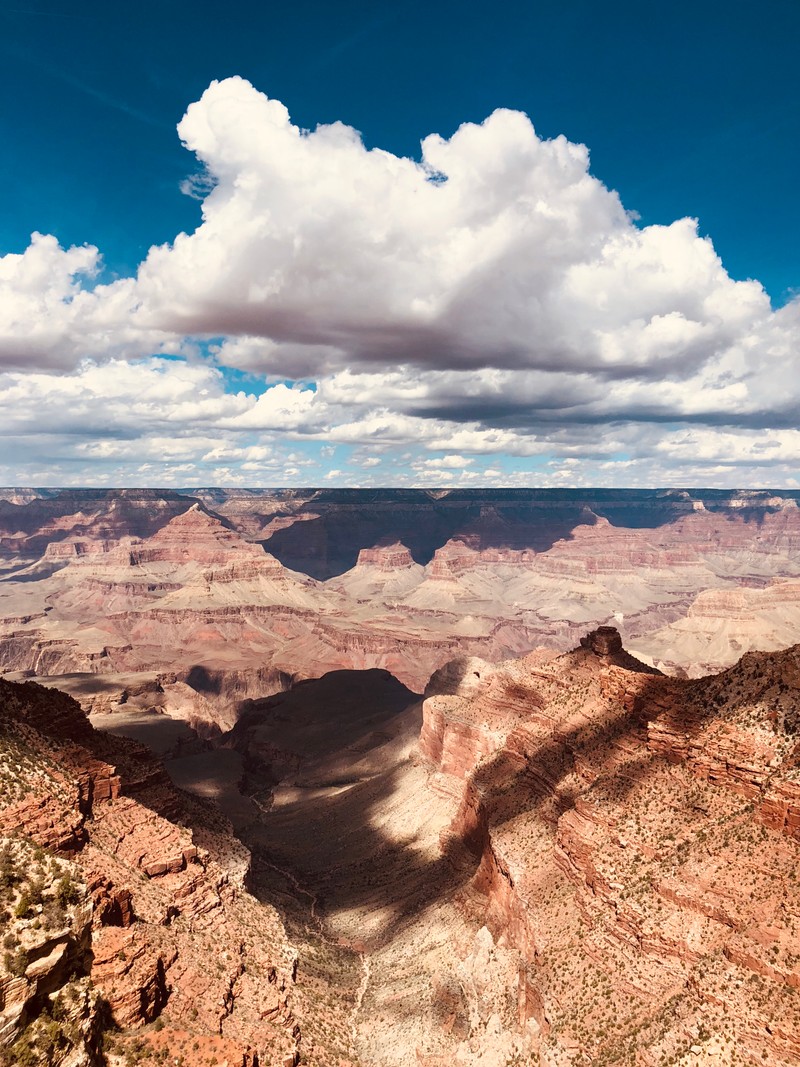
(355, 779)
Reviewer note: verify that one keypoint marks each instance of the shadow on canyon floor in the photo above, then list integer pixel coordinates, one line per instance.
(330, 832)
(351, 826)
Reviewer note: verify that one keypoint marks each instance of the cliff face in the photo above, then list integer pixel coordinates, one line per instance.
(30, 522)
(638, 843)
(158, 917)
(139, 580)
(573, 859)
(48, 1011)
(580, 860)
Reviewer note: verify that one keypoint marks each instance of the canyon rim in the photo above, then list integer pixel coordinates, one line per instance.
(334, 777)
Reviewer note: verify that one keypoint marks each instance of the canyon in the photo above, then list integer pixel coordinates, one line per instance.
(212, 597)
(401, 777)
(565, 858)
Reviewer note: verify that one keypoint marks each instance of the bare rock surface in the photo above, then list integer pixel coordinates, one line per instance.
(554, 856)
(580, 860)
(564, 858)
(158, 916)
(273, 586)
(639, 843)
(48, 1010)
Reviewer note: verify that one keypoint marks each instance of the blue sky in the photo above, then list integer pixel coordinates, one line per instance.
(687, 110)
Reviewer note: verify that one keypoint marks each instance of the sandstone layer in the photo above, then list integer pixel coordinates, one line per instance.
(557, 859)
(256, 588)
(638, 841)
(134, 929)
(579, 861)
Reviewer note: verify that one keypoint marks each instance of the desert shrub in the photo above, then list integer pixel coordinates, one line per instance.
(66, 891)
(9, 876)
(16, 962)
(23, 908)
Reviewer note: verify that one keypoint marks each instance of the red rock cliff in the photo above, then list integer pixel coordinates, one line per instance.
(637, 842)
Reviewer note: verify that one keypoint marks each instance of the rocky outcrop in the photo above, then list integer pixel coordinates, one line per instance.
(451, 560)
(194, 536)
(386, 557)
(159, 900)
(48, 1011)
(607, 868)
(636, 836)
(604, 642)
(626, 841)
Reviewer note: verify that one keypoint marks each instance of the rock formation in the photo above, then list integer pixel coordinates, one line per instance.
(581, 860)
(564, 858)
(114, 583)
(48, 1011)
(142, 891)
(637, 838)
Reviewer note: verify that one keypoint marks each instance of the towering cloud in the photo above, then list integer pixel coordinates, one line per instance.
(491, 296)
(496, 249)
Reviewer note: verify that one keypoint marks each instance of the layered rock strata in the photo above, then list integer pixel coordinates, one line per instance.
(560, 859)
(167, 931)
(49, 1012)
(637, 840)
(308, 581)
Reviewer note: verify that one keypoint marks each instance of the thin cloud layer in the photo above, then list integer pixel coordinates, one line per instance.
(492, 298)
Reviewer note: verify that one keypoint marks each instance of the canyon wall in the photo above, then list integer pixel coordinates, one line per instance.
(638, 841)
(298, 583)
(134, 910)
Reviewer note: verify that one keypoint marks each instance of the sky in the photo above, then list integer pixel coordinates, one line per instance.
(529, 244)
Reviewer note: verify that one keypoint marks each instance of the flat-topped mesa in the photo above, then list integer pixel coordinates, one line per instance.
(75, 548)
(451, 559)
(469, 552)
(386, 557)
(244, 567)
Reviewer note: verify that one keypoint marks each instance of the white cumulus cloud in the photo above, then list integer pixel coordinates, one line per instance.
(491, 297)
(495, 249)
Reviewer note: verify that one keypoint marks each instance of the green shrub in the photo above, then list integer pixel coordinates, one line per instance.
(66, 891)
(22, 910)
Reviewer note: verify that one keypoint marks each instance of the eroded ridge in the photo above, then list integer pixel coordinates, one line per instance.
(559, 859)
(133, 930)
(637, 845)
